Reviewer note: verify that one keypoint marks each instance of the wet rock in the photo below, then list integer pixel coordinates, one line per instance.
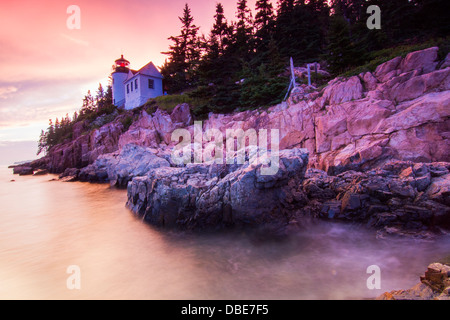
(68, 178)
(439, 189)
(23, 171)
(40, 172)
(331, 209)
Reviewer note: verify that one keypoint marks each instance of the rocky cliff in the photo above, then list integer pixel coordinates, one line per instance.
(373, 148)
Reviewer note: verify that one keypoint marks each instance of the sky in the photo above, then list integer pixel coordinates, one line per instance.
(46, 68)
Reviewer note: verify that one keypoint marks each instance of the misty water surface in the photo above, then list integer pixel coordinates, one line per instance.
(47, 226)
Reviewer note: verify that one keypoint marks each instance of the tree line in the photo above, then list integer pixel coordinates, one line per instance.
(240, 63)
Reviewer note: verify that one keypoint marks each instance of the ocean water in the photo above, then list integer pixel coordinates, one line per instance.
(47, 227)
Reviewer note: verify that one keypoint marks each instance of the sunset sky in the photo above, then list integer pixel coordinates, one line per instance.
(46, 68)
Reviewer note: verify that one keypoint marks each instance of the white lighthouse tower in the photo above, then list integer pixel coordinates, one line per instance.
(119, 75)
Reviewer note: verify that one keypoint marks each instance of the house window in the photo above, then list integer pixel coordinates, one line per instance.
(128, 88)
(135, 84)
(131, 83)
(151, 84)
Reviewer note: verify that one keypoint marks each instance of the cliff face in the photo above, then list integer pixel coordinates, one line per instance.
(84, 149)
(400, 111)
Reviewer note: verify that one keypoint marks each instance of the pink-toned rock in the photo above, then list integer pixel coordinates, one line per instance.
(343, 91)
(353, 156)
(384, 69)
(364, 117)
(78, 129)
(292, 139)
(145, 121)
(141, 137)
(182, 114)
(326, 128)
(424, 143)
(423, 60)
(430, 108)
(446, 62)
(370, 82)
(417, 86)
(341, 140)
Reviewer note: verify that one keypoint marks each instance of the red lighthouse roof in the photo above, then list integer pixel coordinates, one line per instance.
(122, 62)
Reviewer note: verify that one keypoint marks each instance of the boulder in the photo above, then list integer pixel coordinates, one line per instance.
(182, 114)
(422, 60)
(198, 197)
(434, 285)
(446, 62)
(23, 170)
(343, 90)
(439, 189)
(385, 70)
(119, 168)
(430, 108)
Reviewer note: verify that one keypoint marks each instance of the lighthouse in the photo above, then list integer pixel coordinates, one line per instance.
(133, 88)
(119, 75)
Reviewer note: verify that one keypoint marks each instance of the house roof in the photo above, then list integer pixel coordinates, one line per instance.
(148, 70)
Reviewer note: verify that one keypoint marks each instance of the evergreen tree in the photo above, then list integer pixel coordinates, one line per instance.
(42, 143)
(264, 14)
(263, 85)
(100, 97)
(212, 68)
(221, 31)
(108, 96)
(88, 104)
(264, 22)
(184, 54)
(285, 7)
(341, 51)
(243, 35)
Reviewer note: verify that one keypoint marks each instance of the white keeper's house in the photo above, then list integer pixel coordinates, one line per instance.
(132, 88)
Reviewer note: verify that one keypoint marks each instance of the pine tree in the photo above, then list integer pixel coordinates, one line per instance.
(264, 22)
(285, 7)
(108, 96)
(264, 14)
(221, 31)
(243, 36)
(99, 97)
(88, 104)
(42, 143)
(341, 52)
(263, 85)
(213, 68)
(184, 54)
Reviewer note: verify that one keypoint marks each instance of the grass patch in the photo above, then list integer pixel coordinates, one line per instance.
(127, 122)
(169, 102)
